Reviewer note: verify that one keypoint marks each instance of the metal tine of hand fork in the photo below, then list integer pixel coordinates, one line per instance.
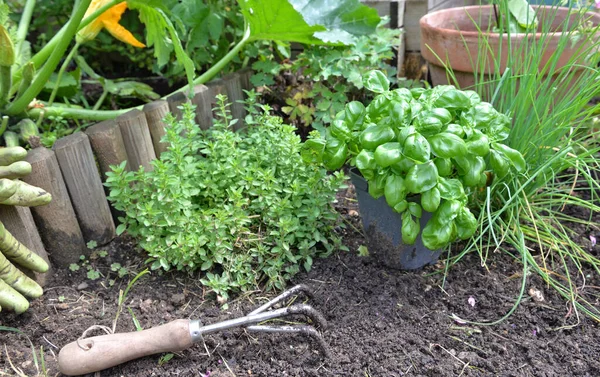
(307, 310)
(262, 314)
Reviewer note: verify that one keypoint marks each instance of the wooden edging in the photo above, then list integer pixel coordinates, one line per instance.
(74, 172)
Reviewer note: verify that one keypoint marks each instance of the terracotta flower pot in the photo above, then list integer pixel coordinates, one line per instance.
(452, 35)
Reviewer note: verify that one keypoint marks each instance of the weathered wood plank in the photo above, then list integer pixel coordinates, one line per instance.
(203, 101)
(137, 139)
(175, 101)
(413, 12)
(155, 113)
(216, 86)
(233, 88)
(245, 75)
(382, 7)
(107, 144)
(19, 222)
(56, 221)
(76, 161)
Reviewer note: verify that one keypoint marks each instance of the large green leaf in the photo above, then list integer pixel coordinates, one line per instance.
(309, 21)
(523, 14)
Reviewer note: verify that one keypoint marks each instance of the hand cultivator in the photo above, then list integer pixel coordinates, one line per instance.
(93, 354)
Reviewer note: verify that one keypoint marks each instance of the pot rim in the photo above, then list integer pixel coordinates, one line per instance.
(424, 22)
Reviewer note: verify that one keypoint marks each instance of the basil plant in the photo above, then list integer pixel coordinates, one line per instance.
(439, 145)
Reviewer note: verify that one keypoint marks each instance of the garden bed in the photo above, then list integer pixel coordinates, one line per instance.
(382, 322)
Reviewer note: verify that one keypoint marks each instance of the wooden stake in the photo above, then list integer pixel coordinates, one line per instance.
(203, 101)
(56, 221)
(107, 144)
(155, 113)
(76, 161)
(137, 139)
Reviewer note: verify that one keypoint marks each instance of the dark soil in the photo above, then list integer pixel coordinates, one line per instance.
(381, 322)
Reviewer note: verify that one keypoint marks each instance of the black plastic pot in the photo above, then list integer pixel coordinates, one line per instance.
(383, 230)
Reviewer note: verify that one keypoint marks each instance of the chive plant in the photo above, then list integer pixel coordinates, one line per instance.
(530, 215)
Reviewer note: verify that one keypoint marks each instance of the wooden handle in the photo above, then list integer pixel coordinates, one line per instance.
(109, 350)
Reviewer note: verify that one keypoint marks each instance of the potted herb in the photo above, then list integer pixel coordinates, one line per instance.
(480, 43)
(423, 154)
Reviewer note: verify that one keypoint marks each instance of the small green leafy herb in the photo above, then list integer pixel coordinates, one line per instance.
(243, 207)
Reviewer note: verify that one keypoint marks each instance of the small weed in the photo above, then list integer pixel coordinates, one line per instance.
(165, 358)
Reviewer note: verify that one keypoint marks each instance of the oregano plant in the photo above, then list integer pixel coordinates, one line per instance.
(243, 208)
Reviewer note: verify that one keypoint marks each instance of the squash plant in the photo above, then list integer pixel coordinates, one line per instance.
(424, 150)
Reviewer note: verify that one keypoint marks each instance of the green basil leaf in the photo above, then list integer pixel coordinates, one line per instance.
(335, 154)
(402, 166)
(421, 177)
(378, 107)
(444, 166)
(339, 130)
(355, 115)
(417, 148)
(401, 206)
(428, 124)
(442, 114)
(436, 236)
(478, 144)
(466, 224)
(415, 209)
(410, 229)
(430, 199)
(447, 211)
(450, 189)
(453, 99)
(374, 136)
(388, 154)
(515, 157)
(447, 145)
(377, 82)
(456, 129)
(395, 190)
(365, 161)
(499, 163)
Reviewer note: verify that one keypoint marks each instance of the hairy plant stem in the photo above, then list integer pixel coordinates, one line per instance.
(5, 83)
(3, 125)
(100, 100)
(24, 25)
(76, 113)
(61, 72)
(218, 67)
(95, 114)
(20, 104)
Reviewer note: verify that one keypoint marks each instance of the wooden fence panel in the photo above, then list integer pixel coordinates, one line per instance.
(19, 222)
(137, 139)
(155, 113)
(56, 221)
(76, 161)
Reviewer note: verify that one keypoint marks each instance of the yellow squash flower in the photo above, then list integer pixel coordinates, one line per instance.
(108, 20)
